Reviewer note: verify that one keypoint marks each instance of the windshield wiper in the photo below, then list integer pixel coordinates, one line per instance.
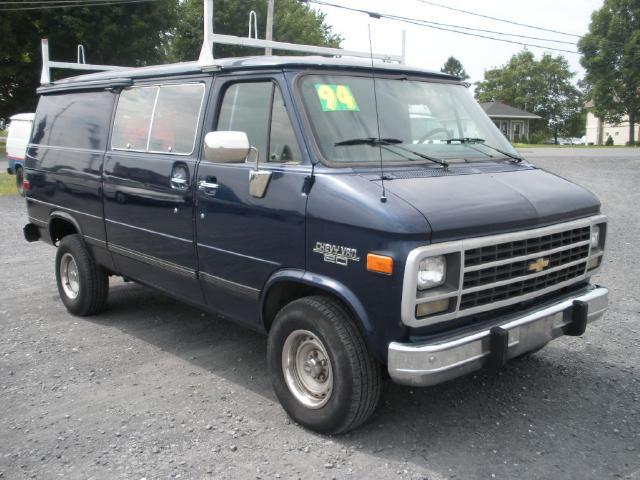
(388, 144)
(482, 141)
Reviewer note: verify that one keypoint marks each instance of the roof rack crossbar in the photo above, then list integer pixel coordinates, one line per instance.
(47, 64)
(210, 38)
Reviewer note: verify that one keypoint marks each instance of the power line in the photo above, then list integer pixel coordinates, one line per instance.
(494, 32)
(428, 2)
(49, 2)
(433, 25)
(88, 3)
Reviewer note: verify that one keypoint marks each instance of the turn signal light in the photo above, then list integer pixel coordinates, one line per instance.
(379, 263)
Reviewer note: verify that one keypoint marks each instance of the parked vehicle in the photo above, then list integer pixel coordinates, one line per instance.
(17, 141)
(360, 225)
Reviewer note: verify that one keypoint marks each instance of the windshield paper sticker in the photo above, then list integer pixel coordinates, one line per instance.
(336, 98)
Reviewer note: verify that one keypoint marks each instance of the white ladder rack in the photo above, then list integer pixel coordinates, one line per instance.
(206, 60)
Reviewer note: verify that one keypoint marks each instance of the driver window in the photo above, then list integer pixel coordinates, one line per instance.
(249, 107)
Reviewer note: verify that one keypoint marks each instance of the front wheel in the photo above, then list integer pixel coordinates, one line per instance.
(321, 369)
(20, 180)
(82, 284)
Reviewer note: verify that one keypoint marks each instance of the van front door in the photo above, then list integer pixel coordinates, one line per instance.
(241, 238)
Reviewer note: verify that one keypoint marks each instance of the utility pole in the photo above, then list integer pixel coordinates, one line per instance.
(269, 32)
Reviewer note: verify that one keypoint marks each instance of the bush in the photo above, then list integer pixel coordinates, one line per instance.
(538, 137)
(609, 142)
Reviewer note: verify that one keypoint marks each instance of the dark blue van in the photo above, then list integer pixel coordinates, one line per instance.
(364, 222)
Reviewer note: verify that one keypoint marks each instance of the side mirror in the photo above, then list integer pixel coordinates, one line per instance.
(226, 147)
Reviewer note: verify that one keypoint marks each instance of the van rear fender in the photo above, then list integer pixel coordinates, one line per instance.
(62, 224)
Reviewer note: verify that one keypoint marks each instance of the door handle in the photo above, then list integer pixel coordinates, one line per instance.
(178, 183)
(208, 188)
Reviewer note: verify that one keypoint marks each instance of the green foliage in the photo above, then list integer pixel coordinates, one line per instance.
(133, 34)
(609, 142)
(544, 87)
(453, 67)
(611, 57)
(293, 22)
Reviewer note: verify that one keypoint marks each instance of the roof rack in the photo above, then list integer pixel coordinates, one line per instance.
(47, 64)
(206, 60)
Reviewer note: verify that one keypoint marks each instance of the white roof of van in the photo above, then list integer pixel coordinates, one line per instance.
(23, 116)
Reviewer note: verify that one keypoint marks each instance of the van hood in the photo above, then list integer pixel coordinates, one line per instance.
(478, 204)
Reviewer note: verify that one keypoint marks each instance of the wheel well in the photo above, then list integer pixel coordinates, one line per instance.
(60, 228)
(286, 292)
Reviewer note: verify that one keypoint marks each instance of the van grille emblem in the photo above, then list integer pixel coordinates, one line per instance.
(539, 265)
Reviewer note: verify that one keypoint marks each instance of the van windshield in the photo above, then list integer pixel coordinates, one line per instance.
(429, 118)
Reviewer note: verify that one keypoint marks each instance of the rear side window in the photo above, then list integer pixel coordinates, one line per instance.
(161, 119)
(75, 120)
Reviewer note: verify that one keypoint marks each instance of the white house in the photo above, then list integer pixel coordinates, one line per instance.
(512, 122)
(598, 130)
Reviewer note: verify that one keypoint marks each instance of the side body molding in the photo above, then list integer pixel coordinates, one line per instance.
(321, 282)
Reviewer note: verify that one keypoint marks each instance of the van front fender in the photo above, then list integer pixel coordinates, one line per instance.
(319, 282)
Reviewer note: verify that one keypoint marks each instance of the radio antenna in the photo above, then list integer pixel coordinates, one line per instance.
(383, 198)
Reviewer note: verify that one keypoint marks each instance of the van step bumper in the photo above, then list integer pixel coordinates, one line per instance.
(425, 364)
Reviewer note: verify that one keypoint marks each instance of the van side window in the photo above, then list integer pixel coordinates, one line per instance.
(75, 120)
(133, 116)
(159, 119)
(250, 107)
(175, 120)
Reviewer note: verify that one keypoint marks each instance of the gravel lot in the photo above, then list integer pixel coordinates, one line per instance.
(153, 388)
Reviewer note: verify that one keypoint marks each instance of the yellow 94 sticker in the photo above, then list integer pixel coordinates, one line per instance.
(336, 98)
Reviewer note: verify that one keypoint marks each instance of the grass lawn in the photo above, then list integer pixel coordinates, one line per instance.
(551, 145)
(7, 184)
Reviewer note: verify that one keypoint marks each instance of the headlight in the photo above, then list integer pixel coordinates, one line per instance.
(431, 272)
(595, 236)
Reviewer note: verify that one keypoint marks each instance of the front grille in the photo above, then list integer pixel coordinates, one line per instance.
(508, 271)
(510, 290)
(486, 274)
(492, 253)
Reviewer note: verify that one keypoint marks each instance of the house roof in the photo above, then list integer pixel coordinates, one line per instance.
(502, 110)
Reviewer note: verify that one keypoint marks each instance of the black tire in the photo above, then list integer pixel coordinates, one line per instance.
(356, 375)
(20, 180)
(92, 280)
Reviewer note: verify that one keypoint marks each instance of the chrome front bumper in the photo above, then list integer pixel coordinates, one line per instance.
(424, 364)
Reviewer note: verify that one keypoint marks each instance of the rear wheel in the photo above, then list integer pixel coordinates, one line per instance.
(321, 369)
(82, 284)
(20, 180)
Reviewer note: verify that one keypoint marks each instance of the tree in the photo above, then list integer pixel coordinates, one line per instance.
(293, 22)
(544, 87)
(453, 67)
(611, 57)
(133, 34)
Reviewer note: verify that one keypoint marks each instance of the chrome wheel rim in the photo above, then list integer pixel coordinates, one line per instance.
(307, 369)
(69, 276)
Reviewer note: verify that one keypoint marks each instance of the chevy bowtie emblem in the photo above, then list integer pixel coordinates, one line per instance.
(539, 265)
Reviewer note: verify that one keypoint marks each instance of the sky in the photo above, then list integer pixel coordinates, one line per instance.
(428, 48)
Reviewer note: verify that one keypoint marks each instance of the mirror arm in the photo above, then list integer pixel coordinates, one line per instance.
(254, 150)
